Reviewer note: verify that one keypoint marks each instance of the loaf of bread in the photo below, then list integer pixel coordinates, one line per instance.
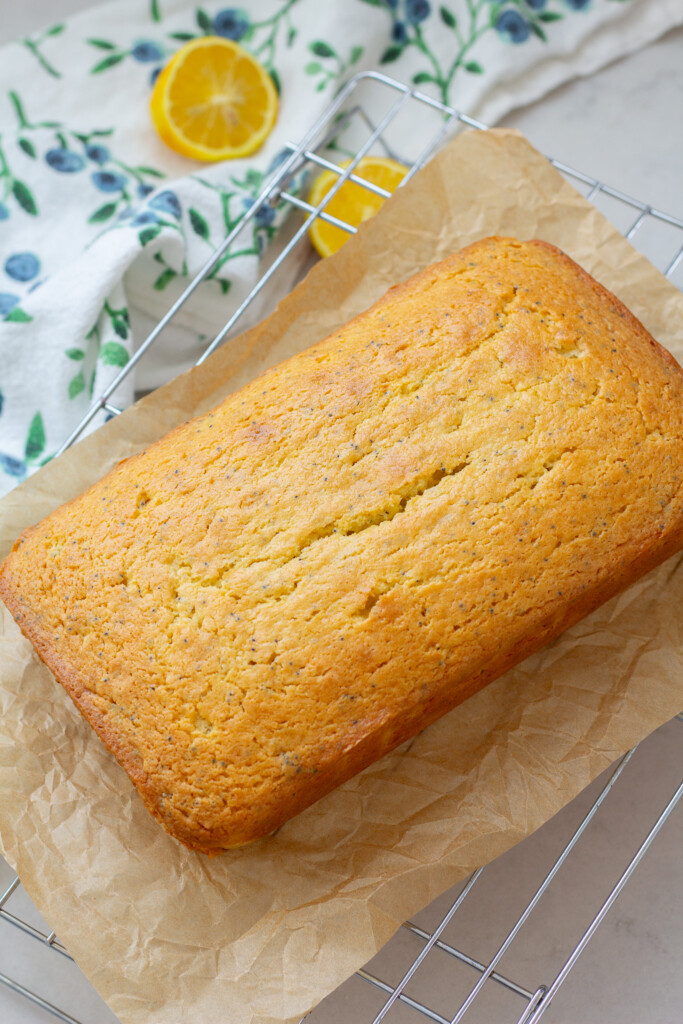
(279, 592)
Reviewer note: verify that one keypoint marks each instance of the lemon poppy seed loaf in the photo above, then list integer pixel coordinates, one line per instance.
(278, 593)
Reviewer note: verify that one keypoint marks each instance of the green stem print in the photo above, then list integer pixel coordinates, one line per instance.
(443, 80)
(73, 152)
(113, 353)
(264, 222)
(85, 359)
(200, 226)
(93, 351)
(22, 120)
(144, 51)
(168, 272)
(409, 33)
(261, 38)
(333, 67)
(119, 320)
(515, 21)
(266, 49)
(33, 46)
(140, 172)
(13, 187)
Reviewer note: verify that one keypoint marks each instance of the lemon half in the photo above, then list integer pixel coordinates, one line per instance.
(353, 204)
(213, 101)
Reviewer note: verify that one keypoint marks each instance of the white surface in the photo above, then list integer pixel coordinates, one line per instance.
(623, 125)
(631, 971)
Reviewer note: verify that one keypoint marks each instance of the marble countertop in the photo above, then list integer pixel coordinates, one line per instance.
(622, 125)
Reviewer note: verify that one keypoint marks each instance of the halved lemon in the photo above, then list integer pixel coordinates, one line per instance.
(353, 204)
(213, 101)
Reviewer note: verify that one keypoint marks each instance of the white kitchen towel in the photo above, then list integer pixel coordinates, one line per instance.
(95, 211)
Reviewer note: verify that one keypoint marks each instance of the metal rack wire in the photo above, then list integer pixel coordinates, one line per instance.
(369, 111)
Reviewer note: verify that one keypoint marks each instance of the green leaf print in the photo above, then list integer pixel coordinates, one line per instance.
(108, 62)
(18, 316)
(119, 319)
(164, 278)
(104, 213)
(101, 44)
(154, 12)
(447, 17)
(35, 442)
(149, 234)
(414, 24)
(28, 148)
(263, 38)
(390, 55)
(113, 354)
(320, 49)
(335, 67)
(23, 195)
(199, 224)
(204, 21)
(476, 18)
(75, 353)
(276, 80)
(33, 46)
(76, 385)
(252, 180)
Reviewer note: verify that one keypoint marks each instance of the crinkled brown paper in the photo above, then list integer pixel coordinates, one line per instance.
(262, 934)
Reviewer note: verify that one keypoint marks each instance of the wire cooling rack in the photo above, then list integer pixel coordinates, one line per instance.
(367, 117)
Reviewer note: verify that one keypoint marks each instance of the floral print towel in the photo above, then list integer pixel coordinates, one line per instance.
(96, 214)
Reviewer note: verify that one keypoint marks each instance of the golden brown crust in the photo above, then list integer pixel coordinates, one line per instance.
(278, 593)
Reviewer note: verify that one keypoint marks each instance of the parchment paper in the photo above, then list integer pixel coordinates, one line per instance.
(262, 934)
